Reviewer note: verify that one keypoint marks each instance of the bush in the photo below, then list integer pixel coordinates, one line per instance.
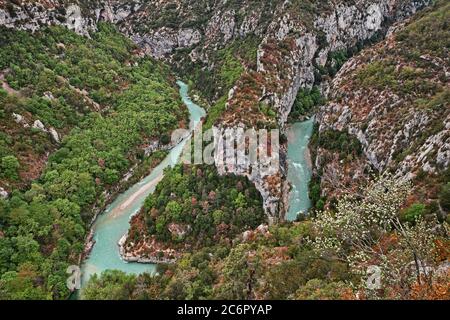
(341, 142)
(305, 102)
(412, 213)
(10, 166)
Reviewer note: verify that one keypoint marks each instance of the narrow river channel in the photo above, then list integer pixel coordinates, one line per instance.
(114, 222)
(299, 167)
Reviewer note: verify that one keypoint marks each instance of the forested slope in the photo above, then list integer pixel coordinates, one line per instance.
(76, 115)
(193, 207)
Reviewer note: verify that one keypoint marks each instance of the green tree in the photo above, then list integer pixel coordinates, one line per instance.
(174, 211)
(110, 285)
(414, 212)
(10, 166)
(240, 201)
(218, 217)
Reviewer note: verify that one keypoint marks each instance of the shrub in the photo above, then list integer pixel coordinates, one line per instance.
(10, 166)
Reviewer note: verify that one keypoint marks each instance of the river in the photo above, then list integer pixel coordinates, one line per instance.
(114, 222)
(299, 167)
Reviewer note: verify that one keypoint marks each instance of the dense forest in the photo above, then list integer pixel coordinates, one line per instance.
(106, 103)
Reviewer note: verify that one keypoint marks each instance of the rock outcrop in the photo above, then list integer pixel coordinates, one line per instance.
(79, 16)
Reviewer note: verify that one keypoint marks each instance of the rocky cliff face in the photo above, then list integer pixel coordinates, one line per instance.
(79, 16)
(394, 99)
(287, 57)
(293, 38)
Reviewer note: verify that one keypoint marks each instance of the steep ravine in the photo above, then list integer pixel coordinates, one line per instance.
(299, 168)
